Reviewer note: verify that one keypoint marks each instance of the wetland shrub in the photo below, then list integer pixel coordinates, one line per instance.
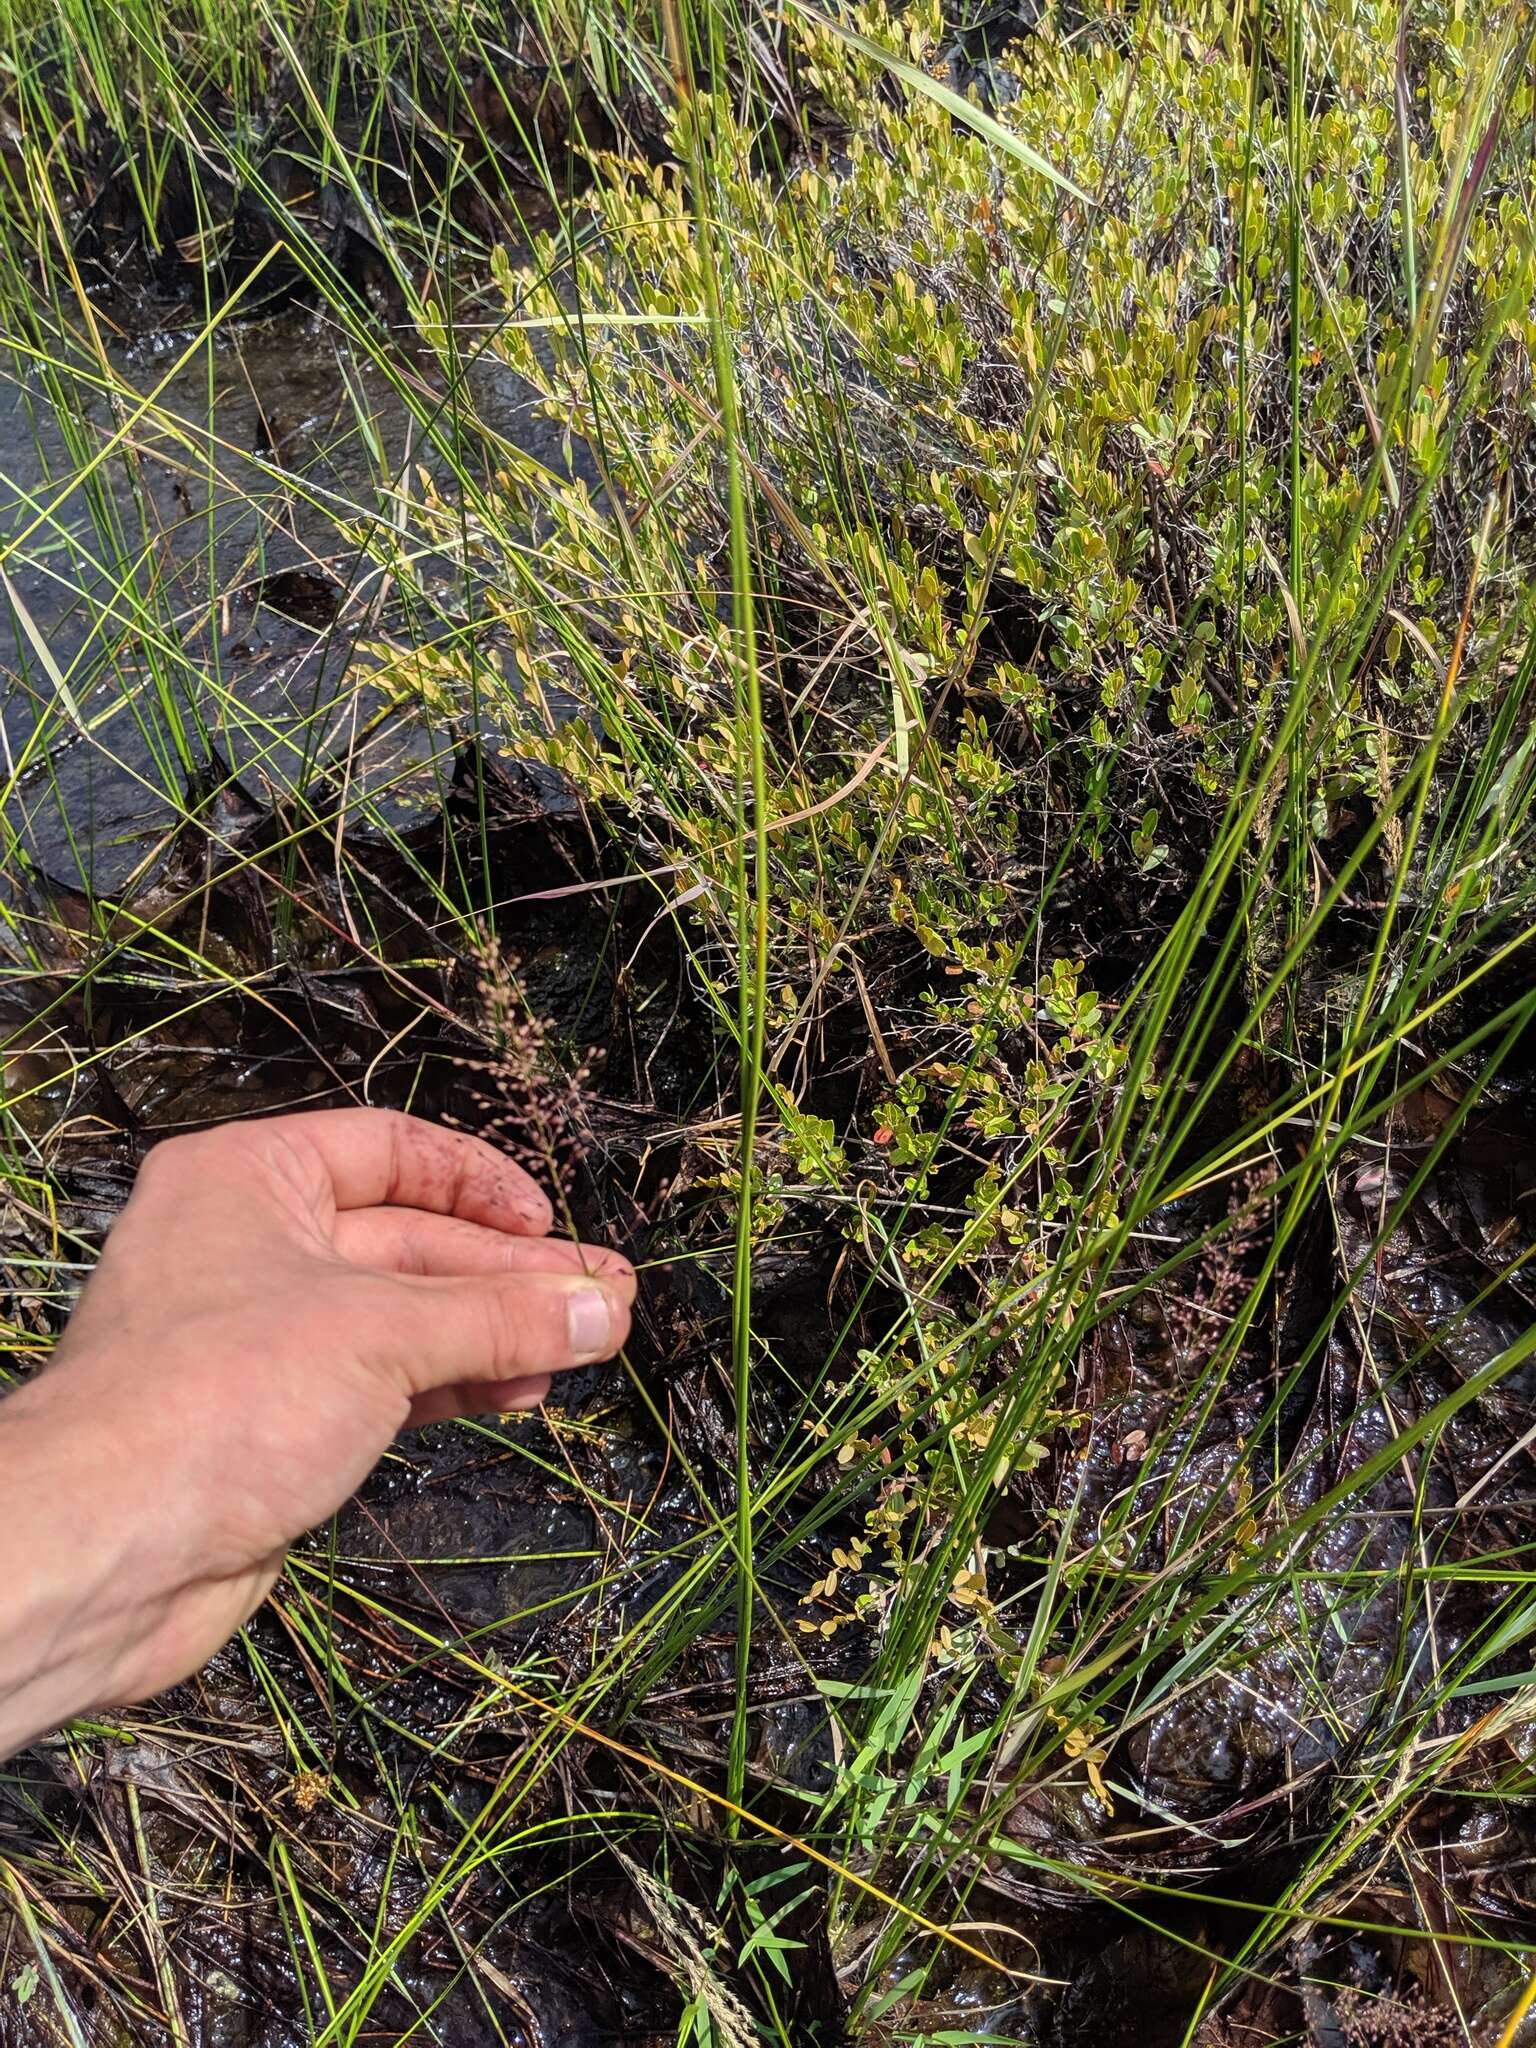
(1041, 595)
(1092, 491)
(1100, 470)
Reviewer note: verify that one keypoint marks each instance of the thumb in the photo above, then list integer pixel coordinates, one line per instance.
(505, 1326)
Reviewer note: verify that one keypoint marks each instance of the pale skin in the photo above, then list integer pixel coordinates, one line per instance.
(276, 1302)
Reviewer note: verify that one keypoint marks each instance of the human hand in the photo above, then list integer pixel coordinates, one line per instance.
(276, 1301)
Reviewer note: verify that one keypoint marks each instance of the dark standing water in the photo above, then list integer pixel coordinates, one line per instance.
(207, 590)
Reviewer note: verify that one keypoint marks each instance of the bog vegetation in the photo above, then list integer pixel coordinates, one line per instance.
(900, 644)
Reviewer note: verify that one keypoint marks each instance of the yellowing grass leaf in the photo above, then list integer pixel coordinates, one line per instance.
(44, 653)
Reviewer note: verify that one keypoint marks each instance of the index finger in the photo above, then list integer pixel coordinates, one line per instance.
(372, 1158)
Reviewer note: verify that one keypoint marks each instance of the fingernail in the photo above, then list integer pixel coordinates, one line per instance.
(590, 1323)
